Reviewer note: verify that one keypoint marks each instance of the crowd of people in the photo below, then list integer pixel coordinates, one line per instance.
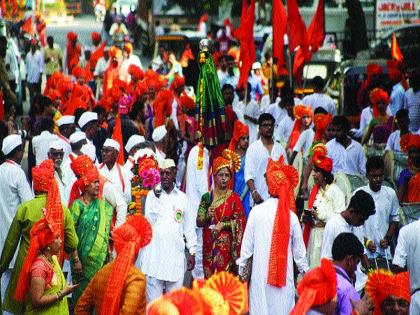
(124, 200)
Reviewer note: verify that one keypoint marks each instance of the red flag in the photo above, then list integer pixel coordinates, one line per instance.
(117, 136)
(245, 35)
(296, 30)
(279, 29)
(396, 53)
(316, 34)
(27, 26)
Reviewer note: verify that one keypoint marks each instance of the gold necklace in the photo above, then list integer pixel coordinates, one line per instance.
(48, 260)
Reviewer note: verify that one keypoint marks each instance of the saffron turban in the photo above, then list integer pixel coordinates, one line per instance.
(317, 287)
(382, 283)
(228, 159)
(239, 130)
(320, 158)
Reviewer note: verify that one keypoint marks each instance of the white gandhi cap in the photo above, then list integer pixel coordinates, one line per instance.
(159, 133)
(111, 143)
(133, 141)
(86, 118)
(10, 143)
(65, 120)
(77, 136)
(167, 163)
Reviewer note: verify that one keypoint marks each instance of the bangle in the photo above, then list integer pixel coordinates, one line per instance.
(58, 295)
(367, 243)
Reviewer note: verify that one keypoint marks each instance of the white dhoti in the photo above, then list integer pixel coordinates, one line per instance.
(155, 287)
(5, 278)
(198, 271)
(314, 247)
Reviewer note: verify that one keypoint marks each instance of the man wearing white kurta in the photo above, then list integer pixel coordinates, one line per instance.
(348, 155)
(159, 138)
(14, 190)
(257, 158)
(131, 147)
(64, 181)
(266, 299)
(40, 143)
(197, 183)
(350, 220)
(172, 219)
(407, 254)
(319, 98)
(114, 172)
(380, 227)
(67, 128)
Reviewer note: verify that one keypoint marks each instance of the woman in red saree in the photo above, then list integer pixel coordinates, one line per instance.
(222, 217)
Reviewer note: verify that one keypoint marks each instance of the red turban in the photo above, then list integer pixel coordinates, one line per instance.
(86, 172)
(320, 158)
(382, 283)
(281, 180)
(186, 102)
(71, 36)
(301, 111)
(177, 82)
(317, 287)
(136, 72)
(239, 130)
(373, 69)
(53, 94)
(128, 239)
(378, 95)
(409, 141)
(42, 234)
(114, 52)
(140, 88)
(162, 107)
(78, 72)
(96, 37)
(321, 122)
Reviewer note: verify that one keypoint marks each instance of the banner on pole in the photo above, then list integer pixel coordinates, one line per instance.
(393, 13)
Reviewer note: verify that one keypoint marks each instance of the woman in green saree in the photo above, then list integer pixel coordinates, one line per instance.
(46, 289)
(92, 219)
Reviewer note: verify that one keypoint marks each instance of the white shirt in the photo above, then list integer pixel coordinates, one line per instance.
(65, 143)
(172, 218)
(337, 225)
(277, 112)
(14, 190)
(256, 161)
(305, 140)
(350, 160)
(365, 118)
(13, 65)
(393, 143)
(101, 66)
(64, 186)
(34, 66)
(316, 100)
(407, 252)
(387, 211)
(119, 177)
(265, 299)
(252, 110)
(239, 109)
(40, 145)
(284, 129)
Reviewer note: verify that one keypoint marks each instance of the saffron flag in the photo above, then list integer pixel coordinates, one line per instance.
(245, 35)
(396, 53)
(117, 136)
(296, 28)
(315, 33)
(279, 29)
(27, 26)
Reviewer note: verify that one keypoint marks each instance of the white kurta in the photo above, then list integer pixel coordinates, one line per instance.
(265, 299)
(407, 254)
(387, 211)
(14, 190)
(350, 160)
(171, 218)
(41, 145)
(328, 203)
(304, 143)
(316, 100)
(284, 129)
(196, 185)
(252, 110)
(365, 118)
(277, 112)
(119, 177)
(335, 226)
(256, 161)
(65, 143)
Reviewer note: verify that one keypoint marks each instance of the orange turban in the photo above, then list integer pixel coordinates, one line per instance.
(320, 158)
(71, 36)
(228, 159)
(136, 72)
(128, 48)
(96, 37)
(177, 82)
(301, 110)
(162, 107)
(53, 94)
(86, 172)
(317, 287)
(239, 130)
(378, 95)
(382, 283)
(281, 180)
(321, 122)
(140, 88)
(78, 72)
(409, 141)
(114, 52)
(128, 239)
(42, 234)
(186, 102)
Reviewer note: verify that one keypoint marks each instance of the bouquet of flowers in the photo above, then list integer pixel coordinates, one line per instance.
(146, 177)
